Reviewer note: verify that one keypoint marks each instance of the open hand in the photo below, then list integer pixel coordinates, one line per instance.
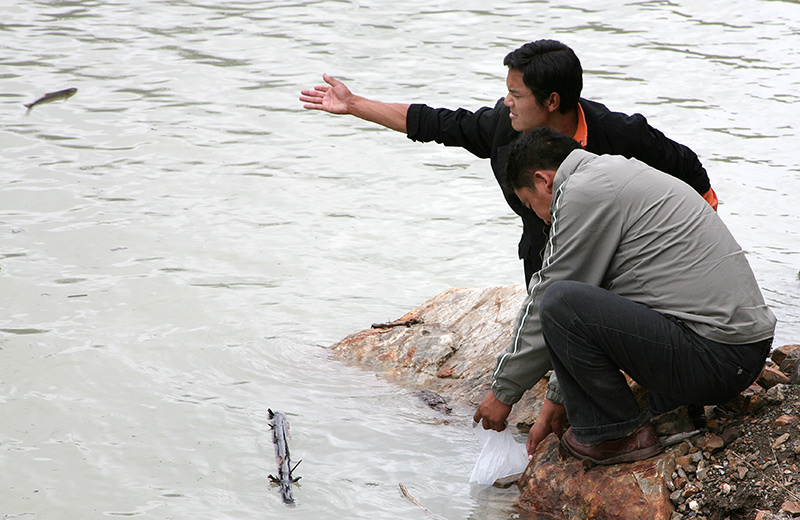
(333, 97)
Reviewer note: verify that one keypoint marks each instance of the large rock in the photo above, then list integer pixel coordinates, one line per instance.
(560, 486)
(452, 351)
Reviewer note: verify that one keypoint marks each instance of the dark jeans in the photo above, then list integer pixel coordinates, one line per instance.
(593, 334)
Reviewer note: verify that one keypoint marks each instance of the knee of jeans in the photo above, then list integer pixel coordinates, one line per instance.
(553, 306)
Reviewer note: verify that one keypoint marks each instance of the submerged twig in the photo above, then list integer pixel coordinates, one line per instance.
(414, 501)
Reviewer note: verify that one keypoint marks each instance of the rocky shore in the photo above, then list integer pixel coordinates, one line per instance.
(739, 461)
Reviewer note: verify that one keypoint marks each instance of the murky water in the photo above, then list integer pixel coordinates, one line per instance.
(181, 240)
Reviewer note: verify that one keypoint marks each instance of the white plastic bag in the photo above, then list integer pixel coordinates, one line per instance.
(500, 456)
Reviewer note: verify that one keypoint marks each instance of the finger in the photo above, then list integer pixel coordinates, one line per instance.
(531, 449)
(331, 81)
(531, 445)
(477, 417)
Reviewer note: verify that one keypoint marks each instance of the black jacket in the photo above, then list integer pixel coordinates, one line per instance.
(487, 133)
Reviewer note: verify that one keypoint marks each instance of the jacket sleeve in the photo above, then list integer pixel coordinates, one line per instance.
(634, 137)
(585, 232)
(473, 131)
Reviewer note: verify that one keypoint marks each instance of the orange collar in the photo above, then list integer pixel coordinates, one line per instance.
(582, 132)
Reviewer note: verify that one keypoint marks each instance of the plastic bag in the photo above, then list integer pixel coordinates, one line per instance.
(500, 456)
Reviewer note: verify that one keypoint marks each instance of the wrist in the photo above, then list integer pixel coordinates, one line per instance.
(355, 105)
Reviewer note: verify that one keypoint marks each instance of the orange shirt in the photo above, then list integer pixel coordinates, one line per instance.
(582, 134)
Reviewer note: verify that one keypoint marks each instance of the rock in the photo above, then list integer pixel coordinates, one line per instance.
(675, 421)
(712, 442)
(434, 400)
(452, 351)
(776, 394)
(792, 507)
(728, 435)
(771, 376)
(507, 482)
(785, 420)
(790, 364)
(779, 441)
(787, 357)
(561, 486)
(747, 401)
(780, 353)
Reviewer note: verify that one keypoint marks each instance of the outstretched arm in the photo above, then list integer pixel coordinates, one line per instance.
(336, 98)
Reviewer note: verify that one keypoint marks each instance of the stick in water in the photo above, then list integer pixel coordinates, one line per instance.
(280, 437)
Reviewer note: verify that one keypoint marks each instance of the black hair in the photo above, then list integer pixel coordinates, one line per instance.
(540, 149)
(549, 66)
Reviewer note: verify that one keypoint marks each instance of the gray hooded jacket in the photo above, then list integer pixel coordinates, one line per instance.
(644, 235)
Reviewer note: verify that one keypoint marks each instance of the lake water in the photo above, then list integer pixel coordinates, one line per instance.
(181, 241)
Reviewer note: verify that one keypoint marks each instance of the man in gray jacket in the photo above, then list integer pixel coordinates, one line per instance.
(639, 276)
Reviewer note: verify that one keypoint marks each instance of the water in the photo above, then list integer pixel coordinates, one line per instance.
(181, 241)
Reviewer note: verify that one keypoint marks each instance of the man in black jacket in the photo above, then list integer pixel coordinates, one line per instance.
(544, 84)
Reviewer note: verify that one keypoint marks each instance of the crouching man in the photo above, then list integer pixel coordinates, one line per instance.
(640, 276)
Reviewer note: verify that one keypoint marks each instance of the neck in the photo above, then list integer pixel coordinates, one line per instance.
(564, 123)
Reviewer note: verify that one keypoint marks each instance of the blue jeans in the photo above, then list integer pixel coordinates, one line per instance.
(593, 334)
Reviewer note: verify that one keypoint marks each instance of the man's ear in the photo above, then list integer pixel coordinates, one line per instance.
(552, 102)
(543, 180)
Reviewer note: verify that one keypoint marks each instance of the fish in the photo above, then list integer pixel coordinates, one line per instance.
(58, 95)
(280, 437)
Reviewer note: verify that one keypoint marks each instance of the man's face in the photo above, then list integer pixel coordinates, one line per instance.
(537, 200)
(526, 112)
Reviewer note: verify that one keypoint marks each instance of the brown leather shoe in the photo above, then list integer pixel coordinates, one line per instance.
(641, 444)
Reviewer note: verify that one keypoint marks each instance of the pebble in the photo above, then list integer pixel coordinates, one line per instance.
(780, 440)
(690, 490)
(776, 394)
(791, 507)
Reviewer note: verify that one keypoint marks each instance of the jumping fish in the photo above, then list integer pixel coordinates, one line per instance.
(58, 95)
(280, 437)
